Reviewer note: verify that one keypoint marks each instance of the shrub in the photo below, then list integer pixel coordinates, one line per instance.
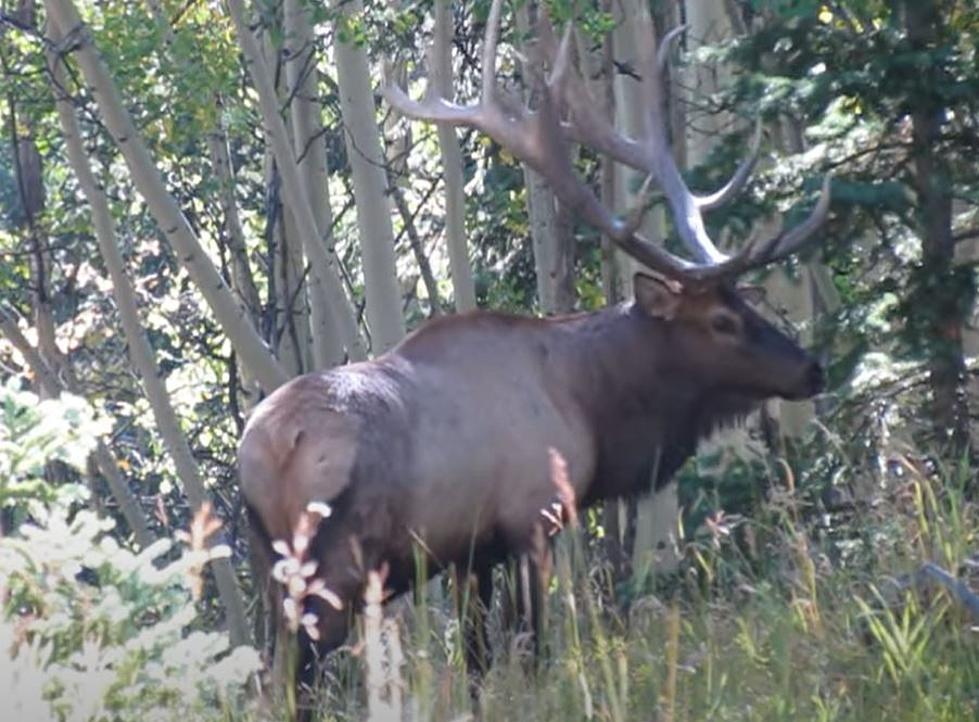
(92, 630)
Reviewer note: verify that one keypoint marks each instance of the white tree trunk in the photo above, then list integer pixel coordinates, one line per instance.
(322, 260)
(293, 348)
(629, 118)
(310, 148)
(242, 280)
(549, 232)
(141, 353)
(460, 268)
(370, 183)
(463, 288)
(968, 252)
(232, 317)
(542, 210)
(599, 72)
(797, 300)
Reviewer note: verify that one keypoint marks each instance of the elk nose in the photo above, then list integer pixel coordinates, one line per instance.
(816, 378)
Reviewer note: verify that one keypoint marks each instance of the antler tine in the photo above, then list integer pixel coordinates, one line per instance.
(512, 128)
(589, 127)
(434, 107)
(665, 45)
(687, 218)
(754, 255)
(791, 241)
(561, 65)
(585, 124)
(730, 189)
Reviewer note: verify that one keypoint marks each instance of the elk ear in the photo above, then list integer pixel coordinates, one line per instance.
(659, 298)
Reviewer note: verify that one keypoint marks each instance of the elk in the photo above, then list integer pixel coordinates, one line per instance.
(444, 444)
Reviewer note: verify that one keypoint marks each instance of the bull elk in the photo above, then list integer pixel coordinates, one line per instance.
(443, 443)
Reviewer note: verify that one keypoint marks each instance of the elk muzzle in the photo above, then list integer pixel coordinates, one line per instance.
(812, 381)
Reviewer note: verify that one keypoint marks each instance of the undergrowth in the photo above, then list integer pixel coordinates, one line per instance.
(791, 613)
(778, 618)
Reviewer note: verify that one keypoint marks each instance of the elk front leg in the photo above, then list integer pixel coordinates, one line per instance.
(535, 576)
(333, 626)
(525, 608)
(474, 589)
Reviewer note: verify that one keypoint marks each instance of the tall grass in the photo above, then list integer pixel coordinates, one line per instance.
(792, 614)
(784, 617)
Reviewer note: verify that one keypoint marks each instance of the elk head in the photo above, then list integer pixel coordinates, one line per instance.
(724, 343)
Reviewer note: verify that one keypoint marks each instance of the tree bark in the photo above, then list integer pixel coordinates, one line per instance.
(945, 293)
(242, 278)
(628, 118)
(322, 260)
(141, 353)
(599, 71)
(232, 317)
(550, 227)
(292, 317)
(310, 149)
(370, 185)
(440, 59)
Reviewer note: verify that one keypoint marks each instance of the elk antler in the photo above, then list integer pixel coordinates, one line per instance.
(540, 139)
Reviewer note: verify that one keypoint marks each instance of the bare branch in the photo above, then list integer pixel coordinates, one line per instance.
(957, 588)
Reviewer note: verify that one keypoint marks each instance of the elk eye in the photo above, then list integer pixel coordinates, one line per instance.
(722, 323)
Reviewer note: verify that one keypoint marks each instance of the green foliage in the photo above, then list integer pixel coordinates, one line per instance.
(34, 433)
(850, 76)
(96, 632)
(90, 630)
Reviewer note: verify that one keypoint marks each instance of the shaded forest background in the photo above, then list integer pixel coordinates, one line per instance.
(201, 200)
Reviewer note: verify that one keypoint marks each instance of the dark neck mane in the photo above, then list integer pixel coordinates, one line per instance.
(649, 410)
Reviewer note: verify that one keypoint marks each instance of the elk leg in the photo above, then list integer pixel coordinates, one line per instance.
(528, 596)
(475, 595)
(333, 626)
(260, 561)
(539, 563)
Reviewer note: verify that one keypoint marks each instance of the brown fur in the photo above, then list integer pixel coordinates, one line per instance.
(443, 442)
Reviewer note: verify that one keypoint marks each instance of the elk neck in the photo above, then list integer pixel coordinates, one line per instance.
(647, 401)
